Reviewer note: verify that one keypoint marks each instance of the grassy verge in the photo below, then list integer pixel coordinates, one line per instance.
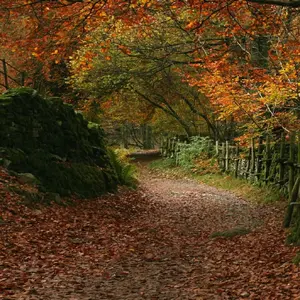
(240, 187)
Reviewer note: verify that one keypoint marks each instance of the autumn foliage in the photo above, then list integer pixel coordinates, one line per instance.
(242, 55)
(231, 66)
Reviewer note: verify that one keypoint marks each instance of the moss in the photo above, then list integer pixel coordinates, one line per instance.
(47, 138)
(90, 181)
(296, 259)
(66, 178)
(231, 233)
(294, 236)
(32, 122)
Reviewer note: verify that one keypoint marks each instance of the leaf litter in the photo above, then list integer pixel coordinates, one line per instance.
(152, 243)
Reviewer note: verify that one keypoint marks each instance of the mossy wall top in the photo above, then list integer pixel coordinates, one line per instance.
(30, 122)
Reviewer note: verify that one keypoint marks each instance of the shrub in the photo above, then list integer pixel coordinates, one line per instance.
(199, 147)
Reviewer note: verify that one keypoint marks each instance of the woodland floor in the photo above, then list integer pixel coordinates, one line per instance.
(153, 243)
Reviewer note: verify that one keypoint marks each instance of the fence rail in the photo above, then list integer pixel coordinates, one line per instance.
(267, 160)
(7, 78)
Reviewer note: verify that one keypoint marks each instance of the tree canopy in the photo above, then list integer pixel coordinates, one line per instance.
(239, 58)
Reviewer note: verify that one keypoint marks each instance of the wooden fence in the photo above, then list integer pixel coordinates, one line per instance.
(267, 160)
(11, 76)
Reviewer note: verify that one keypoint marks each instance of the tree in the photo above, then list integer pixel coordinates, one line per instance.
(221, 36)
(292, 3)
(145, 61)
(258, 89)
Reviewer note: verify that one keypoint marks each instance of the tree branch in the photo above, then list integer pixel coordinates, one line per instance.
(292, 3)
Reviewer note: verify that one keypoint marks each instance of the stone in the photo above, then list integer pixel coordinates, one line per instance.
(28, 178)
(46, 137)
(6, 163)
(149, 256)
(245, 294)
(53, 197)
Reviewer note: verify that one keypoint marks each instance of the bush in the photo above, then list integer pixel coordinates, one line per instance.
(199, 147)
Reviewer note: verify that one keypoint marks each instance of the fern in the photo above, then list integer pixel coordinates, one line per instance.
(125, 172)
(128, 176)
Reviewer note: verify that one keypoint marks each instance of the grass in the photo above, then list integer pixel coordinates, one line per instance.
(231, 233)
(296, 259)
(162, 164)
(240, 187)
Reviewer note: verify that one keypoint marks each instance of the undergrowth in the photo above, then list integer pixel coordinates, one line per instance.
(196, 148)
(125, 172)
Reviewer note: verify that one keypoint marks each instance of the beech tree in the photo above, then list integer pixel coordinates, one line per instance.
(145, 61)
(260, 93)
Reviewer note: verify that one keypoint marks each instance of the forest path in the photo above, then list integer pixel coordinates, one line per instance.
(153, 243)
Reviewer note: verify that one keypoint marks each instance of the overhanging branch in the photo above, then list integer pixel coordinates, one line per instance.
(293, 4)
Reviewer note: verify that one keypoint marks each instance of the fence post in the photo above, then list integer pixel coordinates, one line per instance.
(168, 147)
(5, 74)
(227, 156)
(223, 157)
(268, 159)
(161, 143)
(173, 145)
(177, 152)
(291, 162)
(217, 148)
(236, 166)
(281, 159)
(252, 162)
(248, 167)
(292, 199)
(259, 157)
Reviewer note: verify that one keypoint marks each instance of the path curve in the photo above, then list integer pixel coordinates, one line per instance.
(155, 244)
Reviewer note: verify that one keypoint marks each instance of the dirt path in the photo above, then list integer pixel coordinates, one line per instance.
(150, 244)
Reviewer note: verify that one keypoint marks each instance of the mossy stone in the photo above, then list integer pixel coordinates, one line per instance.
(48, 139)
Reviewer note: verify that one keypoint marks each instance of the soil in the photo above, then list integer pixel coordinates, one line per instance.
(153, 243)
